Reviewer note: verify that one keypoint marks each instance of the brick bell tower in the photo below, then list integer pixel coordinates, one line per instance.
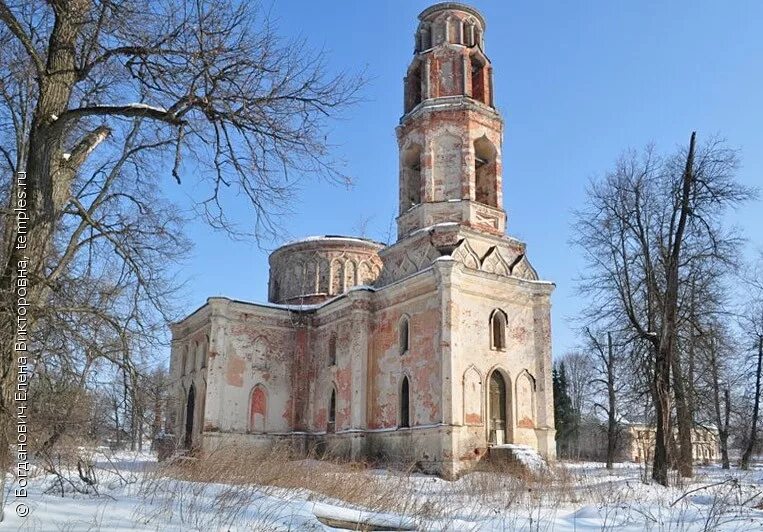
(450, 134)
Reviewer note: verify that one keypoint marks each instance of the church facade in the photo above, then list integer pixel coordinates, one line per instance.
(431, 350)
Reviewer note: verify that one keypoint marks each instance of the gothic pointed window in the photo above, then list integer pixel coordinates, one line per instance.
(404, 335)
(331, 425)
(332, 350)
(405, 414)
(498, 330)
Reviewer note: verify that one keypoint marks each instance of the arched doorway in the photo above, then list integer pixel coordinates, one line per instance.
(189, 413)
(497, 402)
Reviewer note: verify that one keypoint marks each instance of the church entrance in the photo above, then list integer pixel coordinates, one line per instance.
(497, 400)
(189, 413)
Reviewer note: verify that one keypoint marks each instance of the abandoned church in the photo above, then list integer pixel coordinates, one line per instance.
(433, 350)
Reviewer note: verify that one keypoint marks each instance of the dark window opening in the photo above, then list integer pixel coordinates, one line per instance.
(405, 418)
(413, 88)
(189, 413)
(404, 332)
(332, 350)
(478, 80)
(332, 412)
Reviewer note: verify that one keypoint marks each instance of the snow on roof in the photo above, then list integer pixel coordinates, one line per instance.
(333, 238)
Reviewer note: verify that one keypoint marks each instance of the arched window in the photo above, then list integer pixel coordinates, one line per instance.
(331, 425)
(498, 330)
(411, 189)
(404, 335)
(469, 33)
(478, 79)
(182, 357)
(332, 350)
(405, 410)
(413, 87)
(485, 172)
(425, 41)
(190, 413)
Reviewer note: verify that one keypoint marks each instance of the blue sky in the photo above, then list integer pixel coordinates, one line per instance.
(577, 83)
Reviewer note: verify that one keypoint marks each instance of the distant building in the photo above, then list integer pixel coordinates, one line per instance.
(641, 441)
(431, 350)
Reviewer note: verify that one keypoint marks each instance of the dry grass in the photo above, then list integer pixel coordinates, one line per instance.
(248, 475)
(216, 491)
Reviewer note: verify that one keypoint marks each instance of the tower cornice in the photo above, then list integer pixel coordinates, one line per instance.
(452, 6)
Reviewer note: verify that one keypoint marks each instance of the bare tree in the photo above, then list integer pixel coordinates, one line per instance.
(98, 101)
(607, 368)
(645, 224)
(753, 331)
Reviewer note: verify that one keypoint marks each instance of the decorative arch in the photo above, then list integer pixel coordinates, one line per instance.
(404, 414)
(494, 262)
(191, 357)
(310, 285)
(258, 408)
(472, 396)
(525, 394)
(200, 349)
(337, 277)
(523, 269)
(498, 322)
(205, 354)
(466, 255)
(350, 274)
(260, 349)
(324, 276)
(446, 168)
(404, 334)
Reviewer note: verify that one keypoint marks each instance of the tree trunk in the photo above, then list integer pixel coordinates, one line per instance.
(723, 435)
(667, 338)
(745, 464)
(684, 419)
(612, 413)
(662, 412)
(47, 188)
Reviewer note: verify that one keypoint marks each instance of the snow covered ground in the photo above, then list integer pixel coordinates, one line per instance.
(133, 495)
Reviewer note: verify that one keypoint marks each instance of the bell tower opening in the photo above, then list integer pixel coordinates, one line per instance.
(485, 172)
(478, 79)
(413, 87)
(411, 178)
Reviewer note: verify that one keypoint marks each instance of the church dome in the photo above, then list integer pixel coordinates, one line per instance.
(317, 268)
